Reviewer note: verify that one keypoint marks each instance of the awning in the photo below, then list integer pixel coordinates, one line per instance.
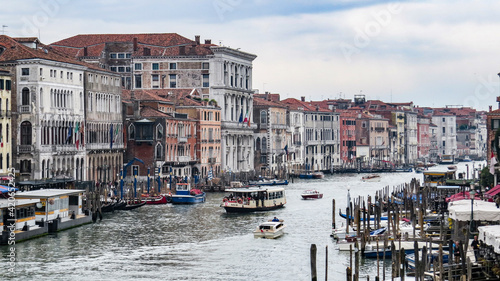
(492, 192)
(5, 189)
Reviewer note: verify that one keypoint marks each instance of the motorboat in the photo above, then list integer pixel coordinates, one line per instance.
(270, 229)
(253, 198)
(371, 178)
(156, 200)
(311, 194)
(268, 182)
(184, 194)
(314, 175)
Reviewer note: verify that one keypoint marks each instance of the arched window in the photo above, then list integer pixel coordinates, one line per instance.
(263, 117)
(25, 96)
(257, 144)
(26, 133)
(159, 132)
(264, 145)
(158, 151)
(131, 132)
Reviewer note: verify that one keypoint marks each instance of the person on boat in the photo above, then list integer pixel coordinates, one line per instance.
(276, 219)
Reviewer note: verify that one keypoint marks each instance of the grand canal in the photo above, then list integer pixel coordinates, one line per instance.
(202, 242)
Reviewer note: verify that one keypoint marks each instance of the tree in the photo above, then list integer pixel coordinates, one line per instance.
(486, 177)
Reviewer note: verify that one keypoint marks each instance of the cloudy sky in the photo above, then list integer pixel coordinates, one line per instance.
(434, 53)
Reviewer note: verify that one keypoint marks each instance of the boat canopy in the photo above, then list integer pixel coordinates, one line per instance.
(5, 189)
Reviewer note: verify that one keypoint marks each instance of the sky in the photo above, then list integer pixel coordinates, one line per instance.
(433, 53)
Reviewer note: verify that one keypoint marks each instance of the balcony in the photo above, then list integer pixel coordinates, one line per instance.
(182, 139)
(183, 159)
(25, 149)
(25, 109)
(212, 160)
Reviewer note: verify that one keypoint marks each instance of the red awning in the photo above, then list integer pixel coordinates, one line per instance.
(492, 192)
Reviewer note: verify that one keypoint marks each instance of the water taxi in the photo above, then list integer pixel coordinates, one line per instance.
(254, 198)
(371, 178)
(311, 194)
(270, 229)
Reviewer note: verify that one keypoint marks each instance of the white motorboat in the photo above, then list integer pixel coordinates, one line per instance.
(371, 178)
(270, 229)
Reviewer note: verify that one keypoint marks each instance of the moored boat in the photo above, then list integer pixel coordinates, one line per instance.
(270, 229)
(315, 175)
(134, 205)
(311, 194)
(155, 200)
(254, 198)
(184, 194)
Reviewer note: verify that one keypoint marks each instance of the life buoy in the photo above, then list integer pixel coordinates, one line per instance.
(240, 201)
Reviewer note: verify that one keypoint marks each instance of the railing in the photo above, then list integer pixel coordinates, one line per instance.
(183, 158)
(25, 108)
(181, 139)
(25, 149)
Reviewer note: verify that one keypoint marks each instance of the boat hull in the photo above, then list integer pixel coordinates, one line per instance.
(312, 196)
(188, 199)
(247, 209)
(156, 200)
(133, 206)
(269, 235)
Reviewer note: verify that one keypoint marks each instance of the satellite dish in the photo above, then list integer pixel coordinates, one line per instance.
(39, 205)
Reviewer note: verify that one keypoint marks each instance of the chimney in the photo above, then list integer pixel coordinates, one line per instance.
(85, 53)
(208, 41)
(490, 108)
(147, 52)
(303, 98)
(197, 39)
(182, 50)
(135, 43)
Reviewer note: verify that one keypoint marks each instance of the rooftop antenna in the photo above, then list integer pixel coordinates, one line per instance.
(3, 28)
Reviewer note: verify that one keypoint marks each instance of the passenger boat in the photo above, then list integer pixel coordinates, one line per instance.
(156, 200)
(254, 198)
(371, 178)
(268, 182)
(184, 194)
(311, 194)
(270, 229)
(133, 205)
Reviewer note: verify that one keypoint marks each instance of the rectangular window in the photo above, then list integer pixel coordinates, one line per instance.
(1, 84)
(121, 55)
(156, 66)
(7, 85)
(444, 130)
(444, 143)
(127, 69)
(138, 66)
(205, 65)
(25, 71)
(206, 82)
(113, 68)
(138, 81)
(121, 69)
(128, 55)
(172, 65)
(173, 80)
(112, 56)
(155, 78)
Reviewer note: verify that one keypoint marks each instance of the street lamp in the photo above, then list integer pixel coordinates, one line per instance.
(472, 194)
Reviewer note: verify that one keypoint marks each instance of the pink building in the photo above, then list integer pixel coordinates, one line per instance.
(424, 138)
(347, 136)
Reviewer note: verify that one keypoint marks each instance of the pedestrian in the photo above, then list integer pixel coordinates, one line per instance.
(456, 252)
(475, 247)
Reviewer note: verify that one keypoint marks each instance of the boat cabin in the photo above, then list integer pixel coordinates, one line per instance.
(23, 211)
(435, 178)
(55, 203)
(183, 188)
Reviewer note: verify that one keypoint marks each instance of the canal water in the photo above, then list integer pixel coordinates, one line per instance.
(203, 242)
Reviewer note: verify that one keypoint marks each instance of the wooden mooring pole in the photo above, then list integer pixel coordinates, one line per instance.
(314, 250)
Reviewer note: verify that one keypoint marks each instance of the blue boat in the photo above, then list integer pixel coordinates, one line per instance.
(185, 195)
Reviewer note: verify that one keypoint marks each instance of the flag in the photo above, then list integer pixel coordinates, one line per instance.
(77, 130)
(82, 132)
(241, 117)
(116, 133)
(492, 163)
(70, 132)
(210, 175)
(248, 120)
(246, 117)
(111, 136)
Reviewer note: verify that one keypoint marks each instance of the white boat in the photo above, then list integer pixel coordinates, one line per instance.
(371, 178)
(311, 194)
(254, 198)
(270, 229)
